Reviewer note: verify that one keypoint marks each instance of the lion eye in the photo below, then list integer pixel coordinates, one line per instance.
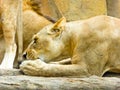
(35, 40)
(56, 30)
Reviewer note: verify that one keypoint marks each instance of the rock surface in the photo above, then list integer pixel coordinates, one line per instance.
(113, 8)
(15, 80)
(73, 9)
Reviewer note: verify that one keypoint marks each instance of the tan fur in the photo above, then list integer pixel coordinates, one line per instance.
(9, 9)
(93, 46)
(32, 22)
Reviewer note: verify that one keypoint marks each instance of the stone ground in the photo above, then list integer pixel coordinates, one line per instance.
(15, 80)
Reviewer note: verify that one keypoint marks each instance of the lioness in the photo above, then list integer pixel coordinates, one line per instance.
(93, 46)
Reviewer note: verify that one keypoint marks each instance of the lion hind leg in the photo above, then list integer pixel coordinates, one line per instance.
(115, 69)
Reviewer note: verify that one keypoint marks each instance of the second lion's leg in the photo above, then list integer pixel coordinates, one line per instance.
(9, 16)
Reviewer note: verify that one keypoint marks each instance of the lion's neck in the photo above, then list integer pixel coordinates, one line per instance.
(70, 37)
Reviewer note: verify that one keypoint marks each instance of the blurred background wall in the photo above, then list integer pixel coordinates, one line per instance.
(79, 9)
(73, 9)
(113, 8)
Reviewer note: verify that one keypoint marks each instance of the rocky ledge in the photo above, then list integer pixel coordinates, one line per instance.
(15, 80)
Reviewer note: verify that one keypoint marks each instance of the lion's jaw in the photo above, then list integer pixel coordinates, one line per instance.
(51, 50)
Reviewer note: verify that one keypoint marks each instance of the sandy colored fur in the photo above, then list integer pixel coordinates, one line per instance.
(32, 22)
(92, 44)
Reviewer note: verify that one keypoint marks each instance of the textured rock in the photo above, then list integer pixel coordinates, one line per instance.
(45, 83)
(10, 72)
(14, 80)
(113, 8)
(81, 9)
(73, 9)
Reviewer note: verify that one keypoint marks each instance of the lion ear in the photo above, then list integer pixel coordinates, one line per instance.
(58, 27)
(61, 22)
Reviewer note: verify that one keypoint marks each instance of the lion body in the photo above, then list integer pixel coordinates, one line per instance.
(93, 46)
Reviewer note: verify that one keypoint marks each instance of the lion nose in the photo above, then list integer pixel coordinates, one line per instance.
(25, 56)
(19, 62)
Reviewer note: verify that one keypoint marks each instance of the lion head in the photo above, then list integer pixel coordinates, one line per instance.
(48, 44)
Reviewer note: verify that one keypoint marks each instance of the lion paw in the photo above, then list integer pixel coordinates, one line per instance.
(31, 67)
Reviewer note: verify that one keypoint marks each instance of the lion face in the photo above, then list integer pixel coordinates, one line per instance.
(47, 44)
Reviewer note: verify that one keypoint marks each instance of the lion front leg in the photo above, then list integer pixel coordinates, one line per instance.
(39, 68)
(9, 56)
(9, 16)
